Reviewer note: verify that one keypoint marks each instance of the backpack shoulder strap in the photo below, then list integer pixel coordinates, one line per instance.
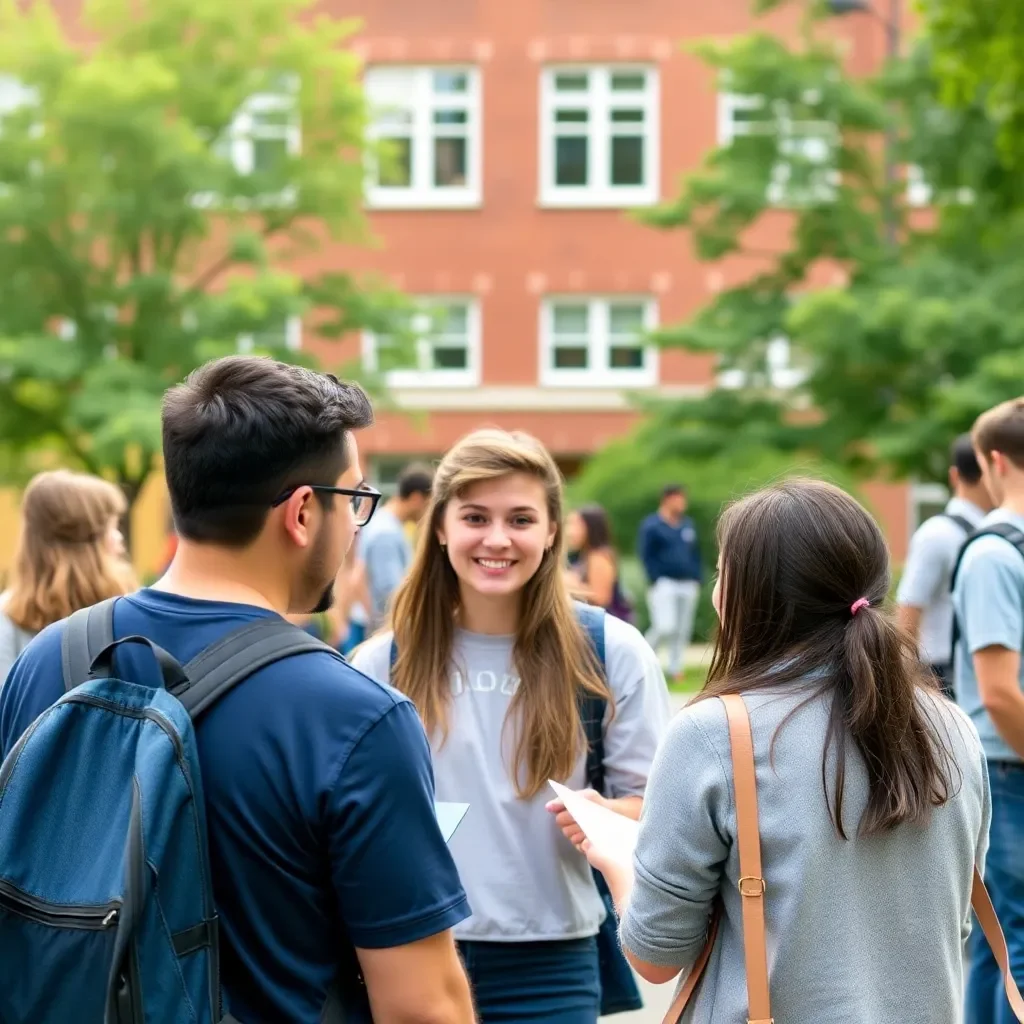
(1007, 531)
(87, 632)
(224, 664)
(592, 708)
(965, 524)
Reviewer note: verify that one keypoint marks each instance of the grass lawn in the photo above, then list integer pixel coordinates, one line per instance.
(692, 681)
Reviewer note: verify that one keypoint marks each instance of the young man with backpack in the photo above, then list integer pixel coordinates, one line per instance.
(988, 597)
(334, 891)
(924, 599)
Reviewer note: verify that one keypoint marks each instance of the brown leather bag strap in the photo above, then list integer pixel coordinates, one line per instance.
(986, 913)
(751, 883)
(748, 840)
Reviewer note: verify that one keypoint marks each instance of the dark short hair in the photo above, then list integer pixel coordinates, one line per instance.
(596, 526)
(672, 490)
(415, 479)
(1001, 429)
(964, 460)
(240, 431)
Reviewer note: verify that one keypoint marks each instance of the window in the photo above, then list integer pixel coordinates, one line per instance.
(446, 348)
(599, 136)
(805, 171)
(428, 120)
(265, 132)
(779, 367)
(926, 500)
(598, 342)
(282, 333)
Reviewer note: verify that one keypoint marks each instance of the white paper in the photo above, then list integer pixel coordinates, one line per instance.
(614, 834)
(449, 816)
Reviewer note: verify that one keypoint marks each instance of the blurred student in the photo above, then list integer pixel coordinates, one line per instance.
(670, 553)
(594, 572)
(70, 555)
(384, 545)
(924, 598)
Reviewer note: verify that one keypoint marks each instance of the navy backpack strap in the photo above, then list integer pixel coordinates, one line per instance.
(87, 633)
(1007, 531)
(592, 708)
(223, 665)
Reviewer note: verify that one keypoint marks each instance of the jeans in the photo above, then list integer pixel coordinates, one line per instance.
(1004, 877)
(534, 982)
(673, 606)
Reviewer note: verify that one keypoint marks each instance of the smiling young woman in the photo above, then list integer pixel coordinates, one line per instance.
(487, 643)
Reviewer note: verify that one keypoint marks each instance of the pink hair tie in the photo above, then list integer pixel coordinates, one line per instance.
(861, 602)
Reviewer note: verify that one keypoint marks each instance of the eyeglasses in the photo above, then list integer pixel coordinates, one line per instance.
(364, 500)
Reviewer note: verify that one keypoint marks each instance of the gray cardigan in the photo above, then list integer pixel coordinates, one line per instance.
(864, 931)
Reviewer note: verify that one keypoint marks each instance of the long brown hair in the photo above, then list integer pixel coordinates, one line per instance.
(551, 653)
(62, 562)
(795, 558)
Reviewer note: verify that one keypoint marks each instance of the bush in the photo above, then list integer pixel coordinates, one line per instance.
(627, 483)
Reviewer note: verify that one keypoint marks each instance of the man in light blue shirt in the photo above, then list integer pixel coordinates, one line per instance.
(384, 545)
(924, 599)
(988, 598)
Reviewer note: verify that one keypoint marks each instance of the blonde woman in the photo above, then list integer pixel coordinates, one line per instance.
(487, 644)
(70, 555)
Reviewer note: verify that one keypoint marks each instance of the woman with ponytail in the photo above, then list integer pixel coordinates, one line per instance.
(873, 798)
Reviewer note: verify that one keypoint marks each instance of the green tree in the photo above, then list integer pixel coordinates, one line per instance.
(154, 186)
(922, 335)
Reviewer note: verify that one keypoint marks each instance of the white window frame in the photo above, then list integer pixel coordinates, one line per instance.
(794, 135)
(422, 102)
(921, 494)
(244, 128)
(292, 340)
(423, 376)
(599, 101)
(781, 375)
(599, 373)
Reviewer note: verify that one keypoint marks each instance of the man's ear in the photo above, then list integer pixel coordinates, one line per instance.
(296, 516)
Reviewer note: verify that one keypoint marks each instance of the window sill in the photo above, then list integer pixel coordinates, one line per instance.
(574, 199)
(397, 200)
(644, 379)
(410, 380)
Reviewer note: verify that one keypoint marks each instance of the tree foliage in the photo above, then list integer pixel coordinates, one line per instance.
(923, 333)
(155, 184)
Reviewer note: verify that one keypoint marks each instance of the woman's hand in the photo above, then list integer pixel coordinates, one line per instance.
(567, 823)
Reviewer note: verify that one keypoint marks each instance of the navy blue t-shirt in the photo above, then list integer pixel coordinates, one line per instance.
(320, 800)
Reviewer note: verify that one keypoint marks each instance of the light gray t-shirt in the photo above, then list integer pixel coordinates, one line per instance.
(928, 573)
(859, 931)
(989, 601)
(386, 552)
(524, 880)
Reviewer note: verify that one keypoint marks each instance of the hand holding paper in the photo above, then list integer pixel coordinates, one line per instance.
(611, 836)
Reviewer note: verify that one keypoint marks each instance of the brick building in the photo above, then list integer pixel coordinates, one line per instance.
(520, 135)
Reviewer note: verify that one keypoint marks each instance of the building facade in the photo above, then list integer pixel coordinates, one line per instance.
(516, 138)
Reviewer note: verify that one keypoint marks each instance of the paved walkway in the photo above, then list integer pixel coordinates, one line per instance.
(657, 999)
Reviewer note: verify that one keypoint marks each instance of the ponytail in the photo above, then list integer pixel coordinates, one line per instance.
(877, 702)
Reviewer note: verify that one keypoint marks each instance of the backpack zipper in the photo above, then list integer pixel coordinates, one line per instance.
(56, 915)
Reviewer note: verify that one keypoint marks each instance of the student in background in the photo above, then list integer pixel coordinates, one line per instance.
(866, 780)
(594, 572)
(924, 598)
(384, 546)
(670, 554)
(70, 555)
(487, 643)
(988, 597)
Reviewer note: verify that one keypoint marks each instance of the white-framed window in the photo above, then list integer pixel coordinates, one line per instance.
(783, 369)
(265, 132)
(285, 332)
(599, 136)
(446, 348)
(926, 500)
(428, 122)
(805, 171)
(598, 342)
